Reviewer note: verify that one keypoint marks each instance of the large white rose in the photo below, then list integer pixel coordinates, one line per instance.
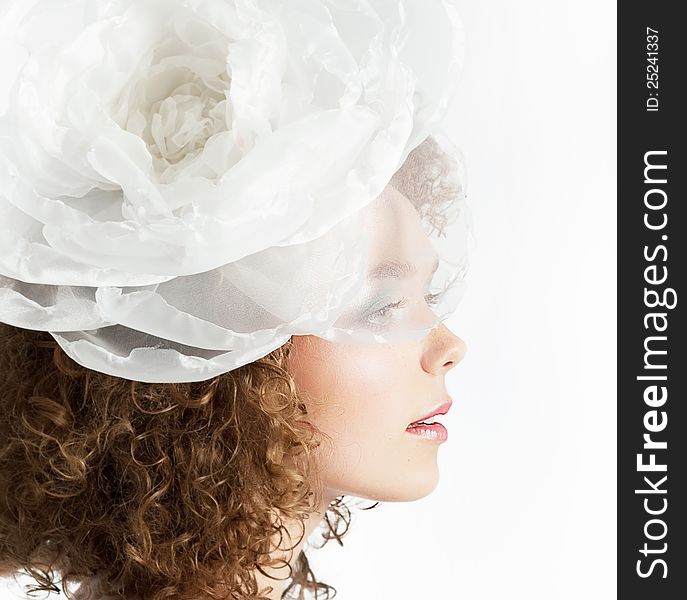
(144, 144)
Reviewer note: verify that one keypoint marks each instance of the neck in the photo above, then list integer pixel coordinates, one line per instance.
(281, 574)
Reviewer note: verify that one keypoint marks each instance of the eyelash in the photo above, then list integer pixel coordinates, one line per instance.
(382, 312)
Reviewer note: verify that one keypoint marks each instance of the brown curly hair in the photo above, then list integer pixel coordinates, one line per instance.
(157, 490)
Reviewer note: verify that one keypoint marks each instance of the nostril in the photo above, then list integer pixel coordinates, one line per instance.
(443, 350)
(457, 349)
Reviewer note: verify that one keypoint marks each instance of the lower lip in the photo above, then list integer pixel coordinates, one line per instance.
(436, 432)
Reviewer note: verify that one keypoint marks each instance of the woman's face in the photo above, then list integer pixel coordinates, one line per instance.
(364, 396)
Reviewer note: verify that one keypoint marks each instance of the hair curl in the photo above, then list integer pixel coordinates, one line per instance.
(160, 491)
(431, 178)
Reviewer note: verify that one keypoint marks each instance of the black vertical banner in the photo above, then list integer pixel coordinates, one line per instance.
(652, 357)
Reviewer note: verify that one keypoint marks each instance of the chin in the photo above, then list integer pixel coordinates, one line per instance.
(408, 486)
(422, 487)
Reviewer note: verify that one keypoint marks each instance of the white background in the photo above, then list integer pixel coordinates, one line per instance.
(525, 508)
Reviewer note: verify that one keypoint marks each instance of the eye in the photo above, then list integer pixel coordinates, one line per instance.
(380, 318)
(433, 299)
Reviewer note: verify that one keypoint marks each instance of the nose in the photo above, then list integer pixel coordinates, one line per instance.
(443, 350)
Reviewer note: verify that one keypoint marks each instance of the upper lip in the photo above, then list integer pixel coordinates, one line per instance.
(439, 410)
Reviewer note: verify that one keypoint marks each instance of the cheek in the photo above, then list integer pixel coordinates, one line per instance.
(362, 398)
(352, 391)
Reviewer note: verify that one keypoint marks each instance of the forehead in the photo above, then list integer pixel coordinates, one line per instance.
(396, 230)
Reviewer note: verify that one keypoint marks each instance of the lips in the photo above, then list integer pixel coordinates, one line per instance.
(439, 410)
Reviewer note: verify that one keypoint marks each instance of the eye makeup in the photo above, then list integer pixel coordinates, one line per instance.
(381, 317)
(382, 306)
(384, 314)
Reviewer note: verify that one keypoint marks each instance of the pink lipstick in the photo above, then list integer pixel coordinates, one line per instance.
(431, 430)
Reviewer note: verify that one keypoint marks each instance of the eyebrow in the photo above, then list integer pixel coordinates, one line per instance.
(395, 270)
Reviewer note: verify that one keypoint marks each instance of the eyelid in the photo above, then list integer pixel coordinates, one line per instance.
(397, 305)
(384, 309)
(390, 306)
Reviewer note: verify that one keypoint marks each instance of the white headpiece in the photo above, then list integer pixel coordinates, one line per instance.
(184, 184)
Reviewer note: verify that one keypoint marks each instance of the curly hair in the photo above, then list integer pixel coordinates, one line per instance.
(431, 178)
(161, 491)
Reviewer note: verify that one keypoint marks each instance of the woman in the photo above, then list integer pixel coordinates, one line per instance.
(179, 412)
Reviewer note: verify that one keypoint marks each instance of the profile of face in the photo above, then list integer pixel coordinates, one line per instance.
(364, 396)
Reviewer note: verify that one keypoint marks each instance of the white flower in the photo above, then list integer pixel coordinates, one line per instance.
(144, 142)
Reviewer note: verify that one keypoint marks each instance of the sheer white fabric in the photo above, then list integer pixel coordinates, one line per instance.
(186, 184)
